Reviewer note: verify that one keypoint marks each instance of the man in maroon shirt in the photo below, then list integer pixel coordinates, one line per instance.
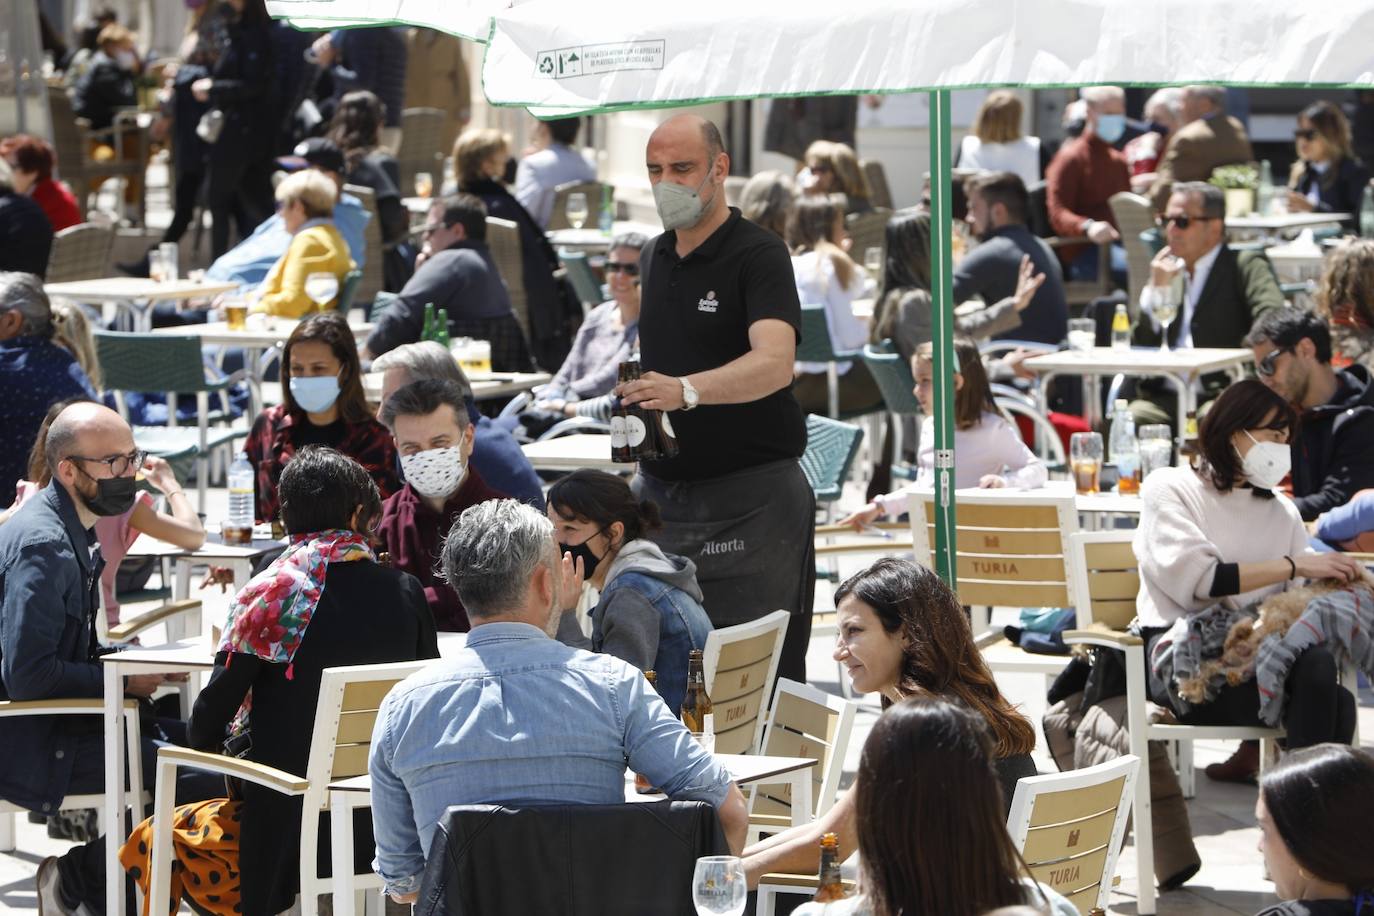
(429, 422)
(1084, 174)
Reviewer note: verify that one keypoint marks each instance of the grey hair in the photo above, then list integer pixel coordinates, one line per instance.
(1214, 94)
(492, 551)
(24, 294)
(1212, 197)
(424, 360)
(768, 199)
(1170, 97)
(6, 176)
(635, 240)
(1097, 96)
(421, 398)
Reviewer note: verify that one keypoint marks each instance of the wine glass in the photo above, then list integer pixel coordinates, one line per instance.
(718, 886)
(1167, 302)
(321, 287)
(576, 209)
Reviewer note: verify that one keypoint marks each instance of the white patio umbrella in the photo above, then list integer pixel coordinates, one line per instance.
(464, 18)
(565, 57)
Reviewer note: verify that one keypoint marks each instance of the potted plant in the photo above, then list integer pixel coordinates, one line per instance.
(1239, 183)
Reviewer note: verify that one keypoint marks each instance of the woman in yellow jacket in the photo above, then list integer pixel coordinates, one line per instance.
(307, 201)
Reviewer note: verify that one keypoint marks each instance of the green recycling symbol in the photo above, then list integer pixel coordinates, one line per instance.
(546, 64)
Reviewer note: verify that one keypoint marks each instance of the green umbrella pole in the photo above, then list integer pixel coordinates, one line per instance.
(942, 308)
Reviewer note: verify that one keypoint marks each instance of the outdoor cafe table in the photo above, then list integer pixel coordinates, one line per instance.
(345, 795)
(593, 240)
(188, 655)
(254, 341)
(1182, 368)
(1275, 223)
(133, 297)
(569, 453)
(485, 385)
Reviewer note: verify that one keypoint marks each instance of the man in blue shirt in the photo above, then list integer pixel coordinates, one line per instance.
(248, 262)
(516, 717)
(35, 373)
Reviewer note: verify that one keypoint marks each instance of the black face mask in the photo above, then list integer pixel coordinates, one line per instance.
(113, 496)
(582, 551)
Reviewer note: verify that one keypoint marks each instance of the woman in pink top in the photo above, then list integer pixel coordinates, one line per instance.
(988, 449)
(180, 525)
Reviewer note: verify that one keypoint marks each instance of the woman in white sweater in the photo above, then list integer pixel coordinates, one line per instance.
(1215, 540)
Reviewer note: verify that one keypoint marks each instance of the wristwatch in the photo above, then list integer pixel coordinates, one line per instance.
(690, 398)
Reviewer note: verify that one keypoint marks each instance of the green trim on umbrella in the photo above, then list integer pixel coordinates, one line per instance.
(942, 333)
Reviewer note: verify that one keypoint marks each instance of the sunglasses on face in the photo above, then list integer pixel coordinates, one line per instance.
(619, 267)
(1182, 222)
(1304, 133)
(1267, 366)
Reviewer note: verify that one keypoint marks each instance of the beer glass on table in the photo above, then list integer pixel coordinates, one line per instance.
(424, 184)
(576, 209)
(1156, 448)
(322, 288)
(1082, 334)
(236, 312)
(718, 886)
(1085, 456)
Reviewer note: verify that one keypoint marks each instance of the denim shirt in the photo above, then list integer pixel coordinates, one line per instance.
(519, 719)
(682, 627)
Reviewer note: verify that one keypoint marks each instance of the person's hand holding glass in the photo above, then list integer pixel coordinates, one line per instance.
(1165, 294)
(718, 887)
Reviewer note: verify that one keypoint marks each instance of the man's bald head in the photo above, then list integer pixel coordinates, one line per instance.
(679, 128)
(89, 430)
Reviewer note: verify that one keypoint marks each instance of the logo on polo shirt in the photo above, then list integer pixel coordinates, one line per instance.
(709, 304)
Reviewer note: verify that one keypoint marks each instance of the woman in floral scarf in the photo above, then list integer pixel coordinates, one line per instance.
(324, 602)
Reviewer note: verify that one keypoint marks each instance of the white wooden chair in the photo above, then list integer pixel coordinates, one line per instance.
(804, 722)
(740, 663)
(76, 706)
(340, 740)
(1010, 547)
(1070, 826)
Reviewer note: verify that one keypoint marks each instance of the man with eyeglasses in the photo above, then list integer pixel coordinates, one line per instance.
(49, 575)
(457, 274)
(1220, 294)
(1333, 451)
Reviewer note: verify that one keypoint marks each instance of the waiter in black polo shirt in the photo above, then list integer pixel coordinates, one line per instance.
(718, 331)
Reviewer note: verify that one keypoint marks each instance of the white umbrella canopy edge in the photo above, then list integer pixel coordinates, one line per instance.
(470, 19)
(575, 56)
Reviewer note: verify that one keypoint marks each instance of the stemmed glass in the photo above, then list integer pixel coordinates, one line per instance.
(718, 886)
(1167, 302)
(576, 209)
(322, 288)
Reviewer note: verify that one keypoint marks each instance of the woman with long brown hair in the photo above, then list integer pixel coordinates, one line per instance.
(903, 633)
(322, 404)
(927, 771)
(1327, 177)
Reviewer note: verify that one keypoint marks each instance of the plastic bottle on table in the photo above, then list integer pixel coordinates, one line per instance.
(238, 524)
(1125, 449)
(1121, 328)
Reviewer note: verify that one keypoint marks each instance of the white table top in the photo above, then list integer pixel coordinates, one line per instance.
(484, 386)
(1139, 361)
(182, 655)
(123, 289)
(218, 333)
(212, 549)
(1108, 502)
(569, 453)
(1280, 221)
(418, 205)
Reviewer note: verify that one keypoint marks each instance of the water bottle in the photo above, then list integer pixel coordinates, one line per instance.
(606, 220)
(238, 526)
(1264, 194)
(1121, 328)
(1125, 449)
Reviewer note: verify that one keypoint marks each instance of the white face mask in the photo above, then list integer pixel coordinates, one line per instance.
(127, 60)
(679, 206)
(434, 473)
(1266, 464)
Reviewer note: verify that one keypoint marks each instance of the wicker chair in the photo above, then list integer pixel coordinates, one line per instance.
(595, 190)
(880, 193)
(80, 252)
(503, 238)
(1134, 218)
(72, 142)
(373, 279)
(868, 230)
(422, 146)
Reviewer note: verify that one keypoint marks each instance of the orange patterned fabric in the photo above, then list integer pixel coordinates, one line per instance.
(205, 841)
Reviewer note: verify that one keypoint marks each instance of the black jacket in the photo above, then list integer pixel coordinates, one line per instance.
(102, 90)
(1340, 190)
(25, 235)
(1333, 455)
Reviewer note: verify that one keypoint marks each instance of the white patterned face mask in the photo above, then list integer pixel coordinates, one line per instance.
(434, 473)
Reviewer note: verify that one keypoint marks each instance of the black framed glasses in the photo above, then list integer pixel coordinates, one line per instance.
(1182, 222)
(1267, 366)
(1304, 133)
(118, 464)
(628, 268)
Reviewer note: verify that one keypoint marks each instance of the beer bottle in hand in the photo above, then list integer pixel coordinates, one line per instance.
(648, 433)
(642, 784)
(830, 887)
(696, 705)
(620, 446)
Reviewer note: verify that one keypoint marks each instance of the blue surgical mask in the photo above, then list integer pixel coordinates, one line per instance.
(315, 394)
(1111, 127)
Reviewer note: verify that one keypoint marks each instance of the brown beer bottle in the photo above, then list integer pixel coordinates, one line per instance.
(642, 784)
(620, 446)
(696, 705)
(648, 433)
(830, 887)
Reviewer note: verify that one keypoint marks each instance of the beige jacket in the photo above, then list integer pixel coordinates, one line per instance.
(1197, 148)
(437, 77)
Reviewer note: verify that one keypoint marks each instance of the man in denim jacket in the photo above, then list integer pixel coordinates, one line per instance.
(516, 717)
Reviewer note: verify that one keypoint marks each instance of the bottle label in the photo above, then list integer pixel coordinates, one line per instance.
(635, 431)
(618, 438)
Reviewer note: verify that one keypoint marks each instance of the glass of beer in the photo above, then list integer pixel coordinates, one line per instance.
(1085, 455)
(424, 184)
(236, 312)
